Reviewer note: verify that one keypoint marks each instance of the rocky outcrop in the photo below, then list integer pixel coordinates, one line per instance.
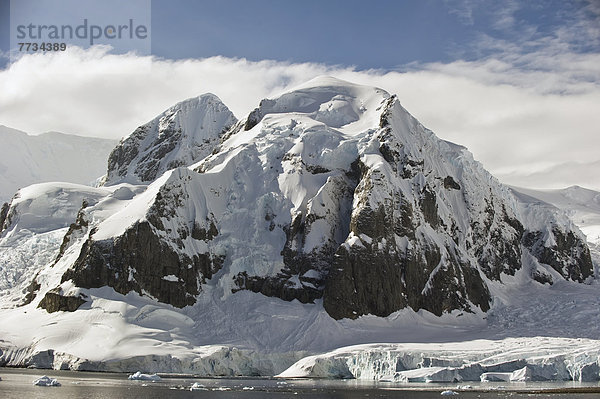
(450, 183)
(6, 217)
(3, 215)
(308, 264)
(385, 267)
(566, 253)
(32, 291)
(77, 230)
(53, 301)
(497, 241)
(140, 261)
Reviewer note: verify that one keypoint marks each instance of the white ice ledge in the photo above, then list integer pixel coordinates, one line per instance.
(511, 359)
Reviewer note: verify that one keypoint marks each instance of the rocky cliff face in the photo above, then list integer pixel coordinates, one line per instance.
(331, 191)
(149, 257)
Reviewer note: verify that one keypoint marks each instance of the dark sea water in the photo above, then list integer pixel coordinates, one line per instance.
(17, 384)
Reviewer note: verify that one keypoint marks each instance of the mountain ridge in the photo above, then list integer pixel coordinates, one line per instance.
(181, 135)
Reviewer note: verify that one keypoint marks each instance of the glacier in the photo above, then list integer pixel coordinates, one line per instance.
(510, 360)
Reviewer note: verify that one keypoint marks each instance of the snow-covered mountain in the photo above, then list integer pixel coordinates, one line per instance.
(49, 157)
(328, 216)
(330, 191)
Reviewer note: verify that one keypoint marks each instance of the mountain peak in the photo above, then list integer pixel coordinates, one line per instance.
(329, 82)
(180, 136)
(331, 101)
(203, 100)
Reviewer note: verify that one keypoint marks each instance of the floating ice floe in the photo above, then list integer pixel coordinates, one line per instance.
(46, 381)
(144, 377)
(198, 387)
(449, 393)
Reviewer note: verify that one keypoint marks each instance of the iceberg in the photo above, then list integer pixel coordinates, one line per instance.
(198, 387)
(144, 377)
(46, 381)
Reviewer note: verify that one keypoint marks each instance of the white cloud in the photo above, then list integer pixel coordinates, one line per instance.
(462, 9)
(505, 14)
(518, 121)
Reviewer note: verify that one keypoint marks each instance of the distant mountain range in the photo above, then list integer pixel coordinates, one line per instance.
(27, 159)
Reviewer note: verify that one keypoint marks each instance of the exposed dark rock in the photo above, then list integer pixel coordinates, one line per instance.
(9, 214)
(278, 286)
(531, 238)
(31, 291)
(497, 242)
(362, 282)
(126, 151)
(76, 230)
(390, 236)
(53, 301)
(377, 277)
(258, 113)
(542, 277)
(138, 261)
(411, 167)
(384, 119)
(167, 142)
(569, 256)
(450, 183)
(367, 281)
(148, 167)
(200, 233)
(391, 155)
(316, 169)
(429, 207)
(3, 215)
(253, 118)
(453, 287)
(291, 283)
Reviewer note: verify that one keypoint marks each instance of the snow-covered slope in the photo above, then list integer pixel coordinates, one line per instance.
(183, 134)
(40, 222)
(329, 216)
(49, 157)
(582, 205)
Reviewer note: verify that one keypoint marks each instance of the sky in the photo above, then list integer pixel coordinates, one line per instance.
(517, 82)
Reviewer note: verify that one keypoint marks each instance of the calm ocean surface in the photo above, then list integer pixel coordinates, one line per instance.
(17, 384)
